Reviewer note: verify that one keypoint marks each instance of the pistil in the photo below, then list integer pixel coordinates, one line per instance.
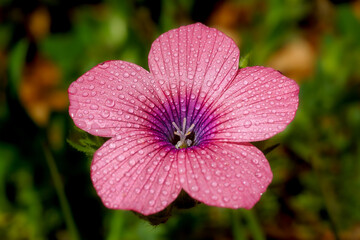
(183, 133)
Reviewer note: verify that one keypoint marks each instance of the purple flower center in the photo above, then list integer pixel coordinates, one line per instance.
(182, 129)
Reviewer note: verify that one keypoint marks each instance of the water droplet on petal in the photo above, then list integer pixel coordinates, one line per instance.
(214, 197)
(194, 188)
(81, 124)
(247, 124)
(72, 90)
(110, 103)
(126, 75)
(105, 114)
(142, 98)
(94, 107)
(104, 65)
(255, 161)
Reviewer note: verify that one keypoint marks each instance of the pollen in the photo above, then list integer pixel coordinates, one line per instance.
(183, 134)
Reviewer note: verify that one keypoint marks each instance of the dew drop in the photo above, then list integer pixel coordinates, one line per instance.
(126, 75)
(72, 90)
(104, 65)
(142, 98)
(247, 124)
(194, 188)
(214, 197)
(110, 103)
(94, 107)
(105, 114)
(81, 124)
(255, 161)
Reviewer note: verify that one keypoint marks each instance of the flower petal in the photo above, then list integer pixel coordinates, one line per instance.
(260, 103)
(224, 175)
(111, 96)
(192, 65)
(135, 172)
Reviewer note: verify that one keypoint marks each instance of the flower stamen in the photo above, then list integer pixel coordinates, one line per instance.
(183, 143)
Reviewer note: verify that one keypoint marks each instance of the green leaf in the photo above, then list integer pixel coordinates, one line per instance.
(16, 63)
(244, 61)
(85, 142)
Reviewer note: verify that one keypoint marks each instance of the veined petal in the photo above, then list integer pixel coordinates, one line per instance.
(192, 65)
(114, 95)
(260, 103)
(224, 175)
(135, 172)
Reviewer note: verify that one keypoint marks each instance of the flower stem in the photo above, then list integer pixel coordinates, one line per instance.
(329, 197)
(64, 204)
(116, 225)
(237, 228)
(253, 224)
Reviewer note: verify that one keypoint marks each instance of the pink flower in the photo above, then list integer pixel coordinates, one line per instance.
(185, 124)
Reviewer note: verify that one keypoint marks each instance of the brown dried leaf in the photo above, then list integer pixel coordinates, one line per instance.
(39, 91)
(39, 23)
(295, 60)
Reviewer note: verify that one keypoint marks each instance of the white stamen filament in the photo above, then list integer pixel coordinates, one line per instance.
(183, 143)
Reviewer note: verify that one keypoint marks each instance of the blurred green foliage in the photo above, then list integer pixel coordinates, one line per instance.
(45, 188)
